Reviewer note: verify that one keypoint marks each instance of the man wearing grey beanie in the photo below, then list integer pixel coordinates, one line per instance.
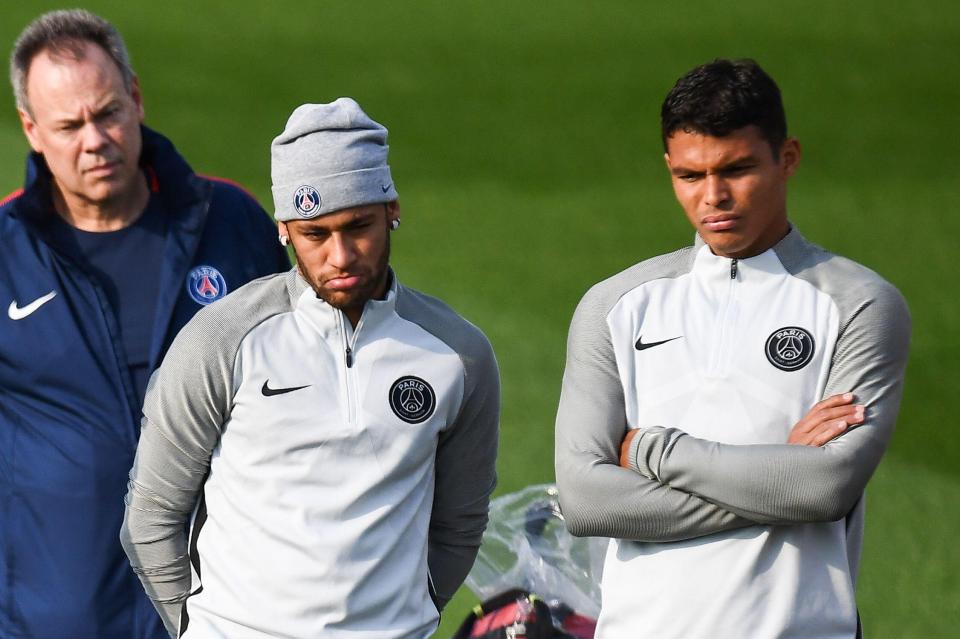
(329, 434)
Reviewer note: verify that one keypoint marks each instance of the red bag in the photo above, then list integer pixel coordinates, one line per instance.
(518, 614)
(515, 614)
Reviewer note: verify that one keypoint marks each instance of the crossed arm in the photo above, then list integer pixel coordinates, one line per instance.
(677, 487)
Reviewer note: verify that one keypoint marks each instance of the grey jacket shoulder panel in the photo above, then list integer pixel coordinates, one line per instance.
(465, 468)
(441, 321)
(848, 283)
(604, 295)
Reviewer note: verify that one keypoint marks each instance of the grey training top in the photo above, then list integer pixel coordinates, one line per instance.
(336, 480)
(723, 528)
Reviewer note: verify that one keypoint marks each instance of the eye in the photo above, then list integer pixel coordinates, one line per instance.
(738, 169)
(109, 114)
(358, 227)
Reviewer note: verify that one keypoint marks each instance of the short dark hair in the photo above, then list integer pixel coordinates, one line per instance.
(722, 96)
(64, 33)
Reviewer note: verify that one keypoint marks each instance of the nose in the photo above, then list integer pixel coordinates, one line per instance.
(343, 253)
(716, 192)
(93, 138)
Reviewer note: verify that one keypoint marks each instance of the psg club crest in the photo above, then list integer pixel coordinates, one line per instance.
(790, 348)
(205, 284)
(412, 399)
(307, 201)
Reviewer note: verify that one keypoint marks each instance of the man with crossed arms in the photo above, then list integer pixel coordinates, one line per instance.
(712, 356)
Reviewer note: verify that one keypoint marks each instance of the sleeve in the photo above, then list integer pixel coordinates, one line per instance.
(794, 484)
(597, 496)
(187, 402)
(465, 478)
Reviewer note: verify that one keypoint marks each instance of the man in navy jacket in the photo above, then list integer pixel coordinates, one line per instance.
(110, 247)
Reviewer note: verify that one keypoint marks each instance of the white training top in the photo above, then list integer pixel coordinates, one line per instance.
(319, 461)
(723, 530)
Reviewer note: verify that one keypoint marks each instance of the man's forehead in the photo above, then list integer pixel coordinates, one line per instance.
(691, 145)
(60, 82)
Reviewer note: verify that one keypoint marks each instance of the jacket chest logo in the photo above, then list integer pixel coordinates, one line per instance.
(206, 285)
(790, 348)
(412, 399)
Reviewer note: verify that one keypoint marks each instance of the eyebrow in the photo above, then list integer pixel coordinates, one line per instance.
(318, 225)
(736, 162)
(72, 120)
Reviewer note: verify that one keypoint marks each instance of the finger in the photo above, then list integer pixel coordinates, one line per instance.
(824, 432)
(828, 424)
(830, 431)
(852, 413)
(833, 401)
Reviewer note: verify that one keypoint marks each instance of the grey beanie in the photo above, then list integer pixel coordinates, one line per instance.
(329, 157)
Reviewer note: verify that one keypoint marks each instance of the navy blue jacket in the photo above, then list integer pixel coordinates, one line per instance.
(69, 418)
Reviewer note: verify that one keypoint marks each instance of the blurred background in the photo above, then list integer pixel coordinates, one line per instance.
(525, 147)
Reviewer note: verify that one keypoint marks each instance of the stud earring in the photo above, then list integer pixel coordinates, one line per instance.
(283, 240)
(394, 224)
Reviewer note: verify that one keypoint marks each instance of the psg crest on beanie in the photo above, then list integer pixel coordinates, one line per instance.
(790, 348)
(307, 201)
(205, 284)
(412, 399)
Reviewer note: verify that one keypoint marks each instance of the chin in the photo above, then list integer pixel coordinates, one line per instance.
(340, 299)
(725, 246)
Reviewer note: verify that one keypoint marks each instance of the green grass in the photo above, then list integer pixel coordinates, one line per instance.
(526, 151)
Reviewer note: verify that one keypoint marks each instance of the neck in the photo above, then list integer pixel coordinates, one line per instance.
(354, 313)
(99, 217)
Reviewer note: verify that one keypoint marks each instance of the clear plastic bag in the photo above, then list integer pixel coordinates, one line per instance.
(526, 545)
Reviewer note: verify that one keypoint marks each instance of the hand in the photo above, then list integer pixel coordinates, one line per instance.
(827, 419)
(625, 447)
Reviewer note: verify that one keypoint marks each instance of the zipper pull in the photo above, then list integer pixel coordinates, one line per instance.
(349, 357)
(733, 269)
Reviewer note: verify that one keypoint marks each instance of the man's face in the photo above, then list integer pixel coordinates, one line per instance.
(344, 255)
(733, 189)
(85, 123)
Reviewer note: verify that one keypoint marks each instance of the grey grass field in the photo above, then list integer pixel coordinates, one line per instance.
(525, 146)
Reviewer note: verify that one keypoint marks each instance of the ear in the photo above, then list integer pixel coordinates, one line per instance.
(30, 130)
(393, 211)
(137, 96)
(282, 229)
(790, 156)
(666, 160)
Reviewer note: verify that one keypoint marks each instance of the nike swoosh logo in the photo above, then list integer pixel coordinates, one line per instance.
(270, 392)
(15, 312)
(385, 188)
(642, 347)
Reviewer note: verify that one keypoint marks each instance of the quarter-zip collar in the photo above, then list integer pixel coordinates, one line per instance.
(792, 242)
(721, 271)
(330, 321)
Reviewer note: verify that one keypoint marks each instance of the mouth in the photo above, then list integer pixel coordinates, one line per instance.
(343, 282)
(107, 168)
(722, 222)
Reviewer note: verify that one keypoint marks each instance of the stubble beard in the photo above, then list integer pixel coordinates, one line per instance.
(357, 298)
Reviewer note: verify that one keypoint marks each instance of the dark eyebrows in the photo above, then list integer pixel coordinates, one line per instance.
(741, 162)
(356, 221)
